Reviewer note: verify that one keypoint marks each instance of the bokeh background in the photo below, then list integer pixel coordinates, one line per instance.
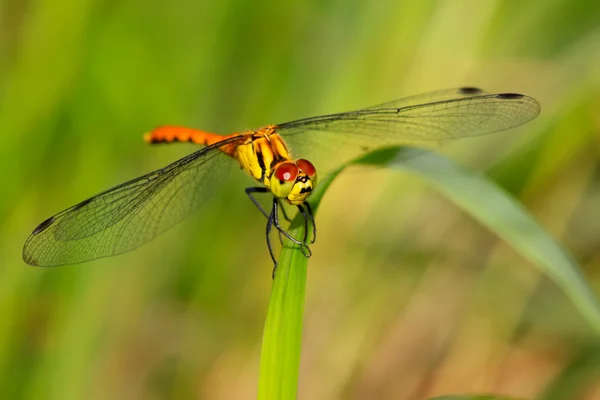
(407, 296)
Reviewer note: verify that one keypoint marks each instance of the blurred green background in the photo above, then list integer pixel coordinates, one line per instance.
(407, 296)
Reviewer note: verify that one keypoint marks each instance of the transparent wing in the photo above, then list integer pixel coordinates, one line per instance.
(331, 140)
(431, 97)
(129, 215)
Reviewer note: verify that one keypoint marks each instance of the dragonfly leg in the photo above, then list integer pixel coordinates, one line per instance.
(288, 219)
(303, 212)
(250, 191)
(284, 213)
(273, 219)
(275, 213)
(311, 216)
(269, 245)
(279, 232)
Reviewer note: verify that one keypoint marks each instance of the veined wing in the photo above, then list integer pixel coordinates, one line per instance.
(431, 97)
(128, 215)
(331, 140)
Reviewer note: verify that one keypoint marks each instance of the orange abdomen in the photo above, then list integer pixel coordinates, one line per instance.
(168, 134)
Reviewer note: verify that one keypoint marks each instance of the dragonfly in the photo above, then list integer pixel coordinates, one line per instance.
(284, 159)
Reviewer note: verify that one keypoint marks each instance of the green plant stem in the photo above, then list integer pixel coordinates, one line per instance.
(282, 338)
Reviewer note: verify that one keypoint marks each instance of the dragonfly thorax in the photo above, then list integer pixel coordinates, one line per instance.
(265, 156)
(293, 181)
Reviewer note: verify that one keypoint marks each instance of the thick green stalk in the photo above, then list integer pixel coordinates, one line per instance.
(282, 337)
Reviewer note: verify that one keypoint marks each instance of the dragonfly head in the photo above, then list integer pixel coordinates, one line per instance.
(294, 181)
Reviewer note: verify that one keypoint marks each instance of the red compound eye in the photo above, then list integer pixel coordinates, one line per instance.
(307, 167)
(286, 172)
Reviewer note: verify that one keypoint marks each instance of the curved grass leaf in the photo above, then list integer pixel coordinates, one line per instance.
(502, 214)
(473, 397)
(476, 195)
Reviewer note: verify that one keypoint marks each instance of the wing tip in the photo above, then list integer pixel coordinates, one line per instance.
(28, 258)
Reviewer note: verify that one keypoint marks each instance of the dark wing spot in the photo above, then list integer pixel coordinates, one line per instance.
(510, 96)
(42, 227)
(469, 90)
(82, 204)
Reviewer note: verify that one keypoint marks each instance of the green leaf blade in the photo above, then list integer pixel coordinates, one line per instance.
(502, 214)
(282, 337)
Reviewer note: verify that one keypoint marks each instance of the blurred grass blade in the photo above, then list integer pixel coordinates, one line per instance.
(282, 337)
(474, 397)
(581, 373)
(497, 210)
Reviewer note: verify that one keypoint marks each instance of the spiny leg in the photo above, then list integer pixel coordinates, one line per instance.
(312, 218)
(303, 246)
(284, 213)
(269, 245)
(286, 217)
(305, 222)
(250, 191)
(273, 219)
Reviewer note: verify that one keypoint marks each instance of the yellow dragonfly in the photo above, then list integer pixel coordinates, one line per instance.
(128, 215)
